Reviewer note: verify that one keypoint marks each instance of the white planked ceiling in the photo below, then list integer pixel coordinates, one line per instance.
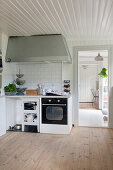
(76, 19)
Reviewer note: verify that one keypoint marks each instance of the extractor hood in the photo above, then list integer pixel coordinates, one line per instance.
(37, 48)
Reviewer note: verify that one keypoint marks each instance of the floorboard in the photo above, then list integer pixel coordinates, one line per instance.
(83, 149)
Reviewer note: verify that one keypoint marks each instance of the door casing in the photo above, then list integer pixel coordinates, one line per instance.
(76, 49)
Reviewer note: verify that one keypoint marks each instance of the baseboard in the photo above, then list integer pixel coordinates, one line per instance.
(2, 133)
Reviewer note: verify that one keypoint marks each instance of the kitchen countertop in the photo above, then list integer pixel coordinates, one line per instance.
(37, 96)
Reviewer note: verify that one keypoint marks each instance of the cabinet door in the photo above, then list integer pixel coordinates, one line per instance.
(2, 116)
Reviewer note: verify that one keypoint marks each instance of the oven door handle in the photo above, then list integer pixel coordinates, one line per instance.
(54, 104)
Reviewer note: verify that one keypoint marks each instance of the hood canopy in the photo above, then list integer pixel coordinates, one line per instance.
(37, 48)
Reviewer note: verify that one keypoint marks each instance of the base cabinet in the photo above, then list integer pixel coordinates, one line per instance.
(56, 118)
(27, 112)
(2, 116)
(11, 112)
(31, 116)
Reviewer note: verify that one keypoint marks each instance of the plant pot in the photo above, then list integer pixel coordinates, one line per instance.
(10, 93)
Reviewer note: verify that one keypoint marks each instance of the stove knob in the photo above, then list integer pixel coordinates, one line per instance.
(49, 100)
(58, 101)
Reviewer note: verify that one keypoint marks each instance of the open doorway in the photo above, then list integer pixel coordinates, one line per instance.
(93, 88)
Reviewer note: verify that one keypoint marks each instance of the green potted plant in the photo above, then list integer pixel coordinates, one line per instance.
(10, 89)
(103, 73)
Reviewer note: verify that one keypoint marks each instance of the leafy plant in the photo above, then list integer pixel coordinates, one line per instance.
(10, 88)
(103, 73)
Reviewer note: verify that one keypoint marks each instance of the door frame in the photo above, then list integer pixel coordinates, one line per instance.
(76, 49)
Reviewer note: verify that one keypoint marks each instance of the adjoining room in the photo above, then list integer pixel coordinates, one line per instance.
(93, 88)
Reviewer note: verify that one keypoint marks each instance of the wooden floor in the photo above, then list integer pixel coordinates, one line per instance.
(87, 106)
(83, 149)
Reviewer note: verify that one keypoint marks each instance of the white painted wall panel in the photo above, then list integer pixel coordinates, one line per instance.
(0, 41)
(87, 82)
(8, 68)
(49, 75)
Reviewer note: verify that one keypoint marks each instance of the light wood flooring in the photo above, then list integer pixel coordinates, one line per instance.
(84, 149)
(87, 106)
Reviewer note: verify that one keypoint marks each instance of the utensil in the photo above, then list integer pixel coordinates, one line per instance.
(19, 75)
(18, 127)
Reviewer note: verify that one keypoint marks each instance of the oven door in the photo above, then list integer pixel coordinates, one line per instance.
(54, 114)
(0, 63)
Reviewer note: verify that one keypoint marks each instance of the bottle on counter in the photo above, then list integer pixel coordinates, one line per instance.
(40, 89)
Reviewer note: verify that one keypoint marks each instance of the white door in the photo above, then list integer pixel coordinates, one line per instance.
(87, 81)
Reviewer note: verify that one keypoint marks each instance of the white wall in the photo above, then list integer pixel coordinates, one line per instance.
(8, 68)
(96, 81)
(72, 44)
(75, 90)
(0, 42)
(87, 81)
(67, 68)
(71, 70)
(0, 81)
(49, 75)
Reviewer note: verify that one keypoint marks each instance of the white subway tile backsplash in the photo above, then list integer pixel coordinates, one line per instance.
(49, 75)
